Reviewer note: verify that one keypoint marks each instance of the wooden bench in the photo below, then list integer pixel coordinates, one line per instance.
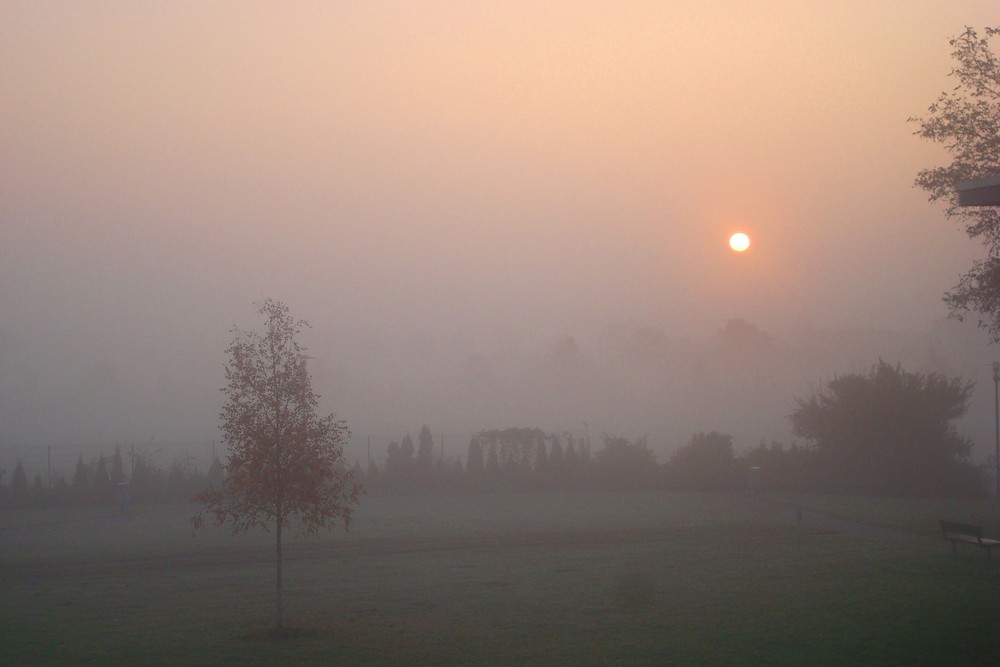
(968, 533)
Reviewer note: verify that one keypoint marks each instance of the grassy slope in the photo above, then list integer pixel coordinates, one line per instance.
(643, 578)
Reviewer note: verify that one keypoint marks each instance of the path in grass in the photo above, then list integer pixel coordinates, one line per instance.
(824, 520)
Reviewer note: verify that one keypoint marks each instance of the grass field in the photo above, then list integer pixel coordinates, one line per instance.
(576, 579)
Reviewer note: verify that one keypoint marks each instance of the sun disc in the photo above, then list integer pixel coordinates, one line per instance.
(739, 241)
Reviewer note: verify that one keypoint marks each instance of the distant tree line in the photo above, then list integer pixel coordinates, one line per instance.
(107, 480)
(886, 431)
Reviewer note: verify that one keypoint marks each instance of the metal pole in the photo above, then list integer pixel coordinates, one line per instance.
(996, 417)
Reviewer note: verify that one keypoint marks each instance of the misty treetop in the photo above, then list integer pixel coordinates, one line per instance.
(284, 461)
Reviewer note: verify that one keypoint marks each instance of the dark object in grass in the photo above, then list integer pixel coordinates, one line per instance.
(968, 533)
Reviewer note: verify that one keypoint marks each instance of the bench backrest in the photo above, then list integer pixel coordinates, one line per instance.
(955, 528)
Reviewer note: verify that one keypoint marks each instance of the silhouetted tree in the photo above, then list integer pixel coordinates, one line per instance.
(583, 451)
(425, 451)
(19, 485)
(183, 480)
(393, 462)
(554, 473)
(741, 337)
(37, 493)
(556, 462)
(571, 461)
(285, 462)
(474, 459)
(147, 479)
(794, 469)
(890, 431)
(966, 121)
(626, 463)
(216, 474)
(706, 462)
(81, 481)
(358, 474)
(541, 457)
(102, 481)
(117, 468)
(406, 454)
(512, 453)
(60, 493)
(492, 463)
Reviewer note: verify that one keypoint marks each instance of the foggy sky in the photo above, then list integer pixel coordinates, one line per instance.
(448, 190)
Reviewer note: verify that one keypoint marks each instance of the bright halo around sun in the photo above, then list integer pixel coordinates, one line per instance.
(739, 242)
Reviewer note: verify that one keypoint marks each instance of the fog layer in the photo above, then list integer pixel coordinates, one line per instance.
(492, 215)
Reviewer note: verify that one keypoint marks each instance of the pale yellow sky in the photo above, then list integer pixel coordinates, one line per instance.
(459, 169)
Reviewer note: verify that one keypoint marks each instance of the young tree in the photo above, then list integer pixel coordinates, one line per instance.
(285, 463)
(966, 121)
(889, 431)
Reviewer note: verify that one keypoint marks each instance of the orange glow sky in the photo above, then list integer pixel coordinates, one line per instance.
(460, 172)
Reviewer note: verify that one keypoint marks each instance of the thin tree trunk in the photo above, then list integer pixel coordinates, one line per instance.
(277, 533)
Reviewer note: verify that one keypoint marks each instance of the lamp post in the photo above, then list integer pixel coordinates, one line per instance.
(996, 418)
(986, 192)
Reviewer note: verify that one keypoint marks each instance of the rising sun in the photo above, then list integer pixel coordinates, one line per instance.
(739, 241)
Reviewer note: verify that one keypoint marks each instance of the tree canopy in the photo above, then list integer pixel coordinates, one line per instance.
(284, 461)
(707, 461)
(626, 462)
(966, 121)
(889, 431)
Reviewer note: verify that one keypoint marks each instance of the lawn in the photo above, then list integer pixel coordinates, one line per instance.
(576, 579)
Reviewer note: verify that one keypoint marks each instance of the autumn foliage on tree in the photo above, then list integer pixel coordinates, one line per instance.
(966, 122)
(285, 463)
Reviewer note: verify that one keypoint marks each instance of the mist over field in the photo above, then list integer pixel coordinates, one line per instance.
(492, 216)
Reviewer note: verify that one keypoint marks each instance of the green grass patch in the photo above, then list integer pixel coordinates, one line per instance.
(537, 579)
